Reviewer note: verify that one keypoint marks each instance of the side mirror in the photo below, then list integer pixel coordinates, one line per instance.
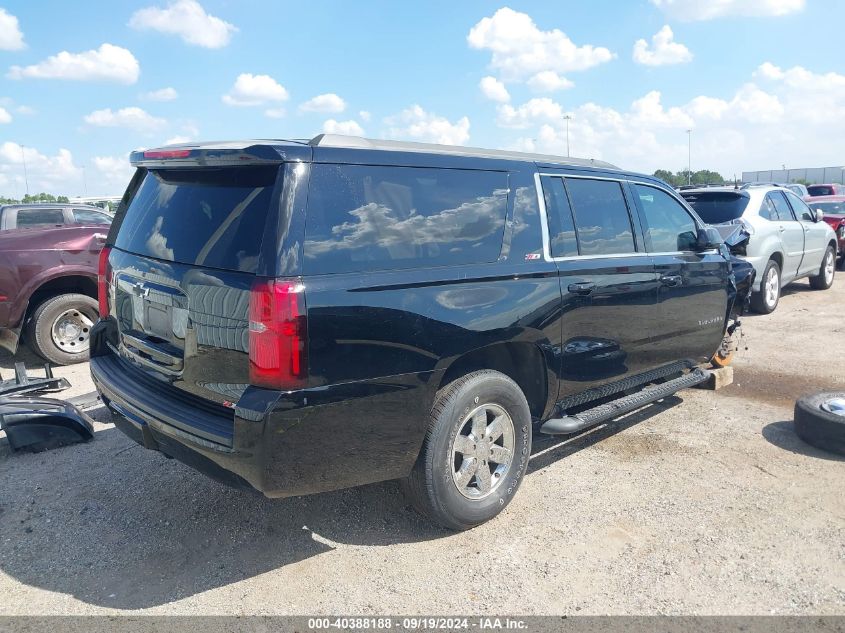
(708, 238)
(819, 215)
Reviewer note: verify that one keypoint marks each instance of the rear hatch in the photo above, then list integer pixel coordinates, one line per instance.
(185, 254)
(721, 209)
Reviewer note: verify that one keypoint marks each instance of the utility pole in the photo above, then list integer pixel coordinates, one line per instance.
(25, 176)
(689, 157)
(568, 118)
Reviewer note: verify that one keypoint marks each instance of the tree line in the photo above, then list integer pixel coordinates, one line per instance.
(38, 197)
(701, 177)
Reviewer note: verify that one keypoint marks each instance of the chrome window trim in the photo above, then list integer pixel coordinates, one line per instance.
(544, 221)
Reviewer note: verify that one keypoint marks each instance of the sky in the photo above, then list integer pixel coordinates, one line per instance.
(759, 83)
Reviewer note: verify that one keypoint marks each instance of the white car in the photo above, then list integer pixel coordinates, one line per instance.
(787, 240)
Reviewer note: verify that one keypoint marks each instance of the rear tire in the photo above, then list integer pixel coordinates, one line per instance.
(827, 271)
(765, 301)
(480, 423)
(59, 330)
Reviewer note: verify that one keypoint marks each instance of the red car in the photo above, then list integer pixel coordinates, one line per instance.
(48, 278)
(833, 208)
(833, 189)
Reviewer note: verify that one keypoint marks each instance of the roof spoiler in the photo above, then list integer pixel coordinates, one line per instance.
(215, 154)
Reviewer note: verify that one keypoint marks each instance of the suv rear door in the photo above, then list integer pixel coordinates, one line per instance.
(608, 281)
(693, 285)
(186, 252)
(815, 235)
(791, 236)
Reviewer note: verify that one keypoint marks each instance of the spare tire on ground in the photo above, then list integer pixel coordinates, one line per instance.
(820, 421)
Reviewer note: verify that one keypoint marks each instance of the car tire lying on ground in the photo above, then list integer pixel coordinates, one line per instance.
(827, 271)
(818, 424)
(475, 453)
(59, 330)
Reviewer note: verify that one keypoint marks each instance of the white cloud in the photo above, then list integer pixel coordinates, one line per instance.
(107, 63)
(530, 113)
(112, 175)
(416, 124)
(692, 10)
(11, 37)
(494, 89)
(329, 102)
(365, 116)
(549, 81)
(5, 117)
(275, 113)
(255, 90)
(132, 118)
(162, 94)
(664, 50)
(25, 110)
(188, 20)
(786, 115)
(55, 174)
(351, 127)
(520, 49)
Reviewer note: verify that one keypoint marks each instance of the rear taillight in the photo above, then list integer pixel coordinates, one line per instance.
(168, 153)
(277, 334)
(103, 279)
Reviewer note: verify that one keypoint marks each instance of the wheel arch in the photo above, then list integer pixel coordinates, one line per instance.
(58, 285)
(522, 362)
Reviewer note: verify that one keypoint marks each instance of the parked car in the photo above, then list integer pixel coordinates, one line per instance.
(833, 189)
(298, 317)
(833, 210)
(18, 216)
(787, 239)
(48, 284)
(795, 187)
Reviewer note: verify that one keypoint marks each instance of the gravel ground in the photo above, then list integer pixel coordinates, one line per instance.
(704, 504)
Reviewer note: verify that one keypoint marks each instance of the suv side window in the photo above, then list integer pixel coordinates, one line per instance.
(669, 227)
(562, 239)
(363, 217)
(601, 216)
(800, 207)
(40, 217)
(86, 216)
(768, 210)
(783, 211)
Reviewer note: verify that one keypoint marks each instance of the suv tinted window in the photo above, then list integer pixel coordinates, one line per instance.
(86, 216)
(601, 215)
(39, 217)
(371, 218)
(781, 208)
(208, 217)
(802, 211)
(717, 207)
(821, 190)
(562, 240)
(669, 227)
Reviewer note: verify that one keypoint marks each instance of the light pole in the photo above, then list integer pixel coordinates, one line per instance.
(25, 176)
(689, 157)
(84, 182)
(567, 118)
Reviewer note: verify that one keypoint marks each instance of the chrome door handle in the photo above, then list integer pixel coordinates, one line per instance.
(672, 281)
(582, 288)
(100, 236)
(782, 229)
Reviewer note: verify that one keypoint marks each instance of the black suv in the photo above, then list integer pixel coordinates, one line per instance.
(298, 317)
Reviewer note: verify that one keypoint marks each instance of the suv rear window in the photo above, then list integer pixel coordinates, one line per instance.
(717, 207)
(820, 190)
(40, 217)
(374, 218)
(210, 217)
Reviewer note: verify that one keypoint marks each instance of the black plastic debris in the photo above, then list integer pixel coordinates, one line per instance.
(23, 383)
(39, 424)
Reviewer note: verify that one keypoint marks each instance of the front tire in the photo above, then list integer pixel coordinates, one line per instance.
(765, 301)
(475, 453)
(60, 328)
(827, 271)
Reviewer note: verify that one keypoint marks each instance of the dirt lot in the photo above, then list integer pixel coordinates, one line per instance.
(706, 503)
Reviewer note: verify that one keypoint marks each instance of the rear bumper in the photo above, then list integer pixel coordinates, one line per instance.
(286, 443)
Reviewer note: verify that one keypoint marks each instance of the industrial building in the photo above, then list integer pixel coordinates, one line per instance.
(810, 175)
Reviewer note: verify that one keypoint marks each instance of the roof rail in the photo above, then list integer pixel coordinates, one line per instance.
(358, 142)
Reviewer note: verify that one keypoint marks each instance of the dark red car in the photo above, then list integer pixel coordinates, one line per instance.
(833, 208)
(832, 189)
(48, 278)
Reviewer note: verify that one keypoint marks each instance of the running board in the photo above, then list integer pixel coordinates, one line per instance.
(574, 423)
